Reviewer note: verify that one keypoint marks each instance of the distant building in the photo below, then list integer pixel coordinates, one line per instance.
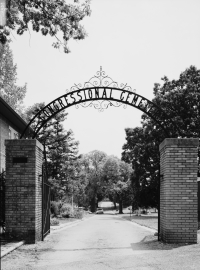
(11, 127)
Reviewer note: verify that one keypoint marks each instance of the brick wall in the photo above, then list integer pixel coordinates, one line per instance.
(24, 190)
(178, 197)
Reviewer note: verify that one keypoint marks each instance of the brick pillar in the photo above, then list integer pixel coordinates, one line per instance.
(178, 190)
(24, 189)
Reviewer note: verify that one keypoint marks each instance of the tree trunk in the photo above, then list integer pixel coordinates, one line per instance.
(93, 204)
(120, 206)
(115, 206)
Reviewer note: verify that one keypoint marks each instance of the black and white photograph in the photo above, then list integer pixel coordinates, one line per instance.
(99, 134)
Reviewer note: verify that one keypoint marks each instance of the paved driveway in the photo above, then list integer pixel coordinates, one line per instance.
(103, 242)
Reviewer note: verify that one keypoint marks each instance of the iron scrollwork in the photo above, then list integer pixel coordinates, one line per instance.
(101, 80)
(101, 92)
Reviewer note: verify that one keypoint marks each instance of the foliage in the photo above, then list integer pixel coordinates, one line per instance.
(55, 208)
(78, 213)
(58, 19)
(91, 165)
(9, 90)
(180, 99)
(66, 210)
(61, 151)
(77, 183)
(116, 174)
(65, 215)
(54, 222)
(97, 176)
(141, 150)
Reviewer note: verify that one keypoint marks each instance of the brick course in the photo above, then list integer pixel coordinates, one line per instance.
(178, 190)
(24, 190)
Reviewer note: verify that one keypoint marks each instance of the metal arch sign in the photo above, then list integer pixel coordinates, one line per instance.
(100, 92)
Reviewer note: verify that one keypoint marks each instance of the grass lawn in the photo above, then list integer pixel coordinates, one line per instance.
(150, 221)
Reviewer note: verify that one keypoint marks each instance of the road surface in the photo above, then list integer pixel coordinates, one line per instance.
(103, 242)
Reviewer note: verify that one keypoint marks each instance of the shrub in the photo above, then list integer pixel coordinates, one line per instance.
(54, 221)
(55, 208)
(66, 210)
(78, 213)
(65, 215)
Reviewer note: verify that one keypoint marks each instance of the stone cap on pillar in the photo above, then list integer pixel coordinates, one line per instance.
(182, 142)
(24, 142)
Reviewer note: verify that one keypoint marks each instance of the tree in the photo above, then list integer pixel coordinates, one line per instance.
(9, 91)
(92, 164)
(62, 154)
(180, 99)
(141, 151)
(61, 150)
(110, 177)
(77, 184)
(55, 18)
(116, 175)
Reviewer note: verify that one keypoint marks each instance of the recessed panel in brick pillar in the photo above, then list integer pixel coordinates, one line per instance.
(24, 189)
(178, 190)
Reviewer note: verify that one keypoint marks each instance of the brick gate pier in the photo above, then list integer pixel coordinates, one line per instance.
(178, 190)
(23, 193)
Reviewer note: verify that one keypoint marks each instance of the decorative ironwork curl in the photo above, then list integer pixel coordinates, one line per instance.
(101, 105)
(101, 80)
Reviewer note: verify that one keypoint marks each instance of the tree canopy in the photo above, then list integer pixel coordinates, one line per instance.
(61, 150)
(99, 176)
(92, 164)
(116, 176)
(180, 99)
(9, 90)
(57, 18)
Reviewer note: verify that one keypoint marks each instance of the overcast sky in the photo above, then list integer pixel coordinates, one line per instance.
(135, 41)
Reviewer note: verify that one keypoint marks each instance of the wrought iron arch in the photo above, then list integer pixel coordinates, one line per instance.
(100, 92)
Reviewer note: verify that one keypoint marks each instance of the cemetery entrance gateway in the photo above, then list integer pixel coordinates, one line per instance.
(101, 92)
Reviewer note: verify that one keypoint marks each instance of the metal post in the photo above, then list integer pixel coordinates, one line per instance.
(45, 160)
(44, 173)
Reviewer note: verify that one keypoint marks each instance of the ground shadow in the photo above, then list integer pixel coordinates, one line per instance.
(132, 217)
(107, 214)
(150, 242)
